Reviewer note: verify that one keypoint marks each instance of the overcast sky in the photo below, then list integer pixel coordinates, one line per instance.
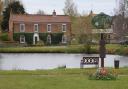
(84, 6)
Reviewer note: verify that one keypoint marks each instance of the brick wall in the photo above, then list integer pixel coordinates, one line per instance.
(29, 27)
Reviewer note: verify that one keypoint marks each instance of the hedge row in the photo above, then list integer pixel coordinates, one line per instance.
(56, 38)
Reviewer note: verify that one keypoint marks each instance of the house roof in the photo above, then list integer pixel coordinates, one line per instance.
(39, 18)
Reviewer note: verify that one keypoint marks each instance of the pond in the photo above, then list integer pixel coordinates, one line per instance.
(51, 61)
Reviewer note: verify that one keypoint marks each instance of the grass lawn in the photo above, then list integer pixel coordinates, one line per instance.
(59, 79)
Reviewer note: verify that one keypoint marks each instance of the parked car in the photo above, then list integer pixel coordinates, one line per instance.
(125, 42)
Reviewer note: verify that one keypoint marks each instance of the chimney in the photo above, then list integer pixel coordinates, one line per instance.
(54, 13)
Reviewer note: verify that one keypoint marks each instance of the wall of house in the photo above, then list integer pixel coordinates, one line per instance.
(29, 27)
(55, 28)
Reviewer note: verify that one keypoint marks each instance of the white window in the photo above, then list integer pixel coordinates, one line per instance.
(22, 39)
(49, 39)
(124, 26)
(64, 27)
(64, 39)
(22, 27)
(49, 28)
(36, 27)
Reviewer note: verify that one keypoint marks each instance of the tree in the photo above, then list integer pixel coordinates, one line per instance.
(120, 22)
(102, 21)
(1, 5)
(121, 7)
(70, 8)
(41, 12)
(15, 8)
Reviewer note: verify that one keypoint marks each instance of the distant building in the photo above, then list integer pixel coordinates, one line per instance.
(47, 28)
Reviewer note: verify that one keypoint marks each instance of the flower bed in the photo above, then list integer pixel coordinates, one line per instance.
(103, 74)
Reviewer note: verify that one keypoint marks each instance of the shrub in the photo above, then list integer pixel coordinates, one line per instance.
(40, 43)
(102, 74)
(62, 67)
(4, 37)
(28, 37)
(55, 38)
(74, 42)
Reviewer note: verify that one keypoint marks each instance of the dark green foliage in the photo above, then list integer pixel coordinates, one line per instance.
(102, 21)
(43, 37)
(56, 38)
(28, 37)
(4, 37)
(15, 8)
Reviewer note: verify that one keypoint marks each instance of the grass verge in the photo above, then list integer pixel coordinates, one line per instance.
(59, 79)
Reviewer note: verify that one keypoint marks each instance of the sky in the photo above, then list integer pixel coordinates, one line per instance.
(84, 6)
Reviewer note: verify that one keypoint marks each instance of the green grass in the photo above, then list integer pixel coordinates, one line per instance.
(111, 49)
(59, 79)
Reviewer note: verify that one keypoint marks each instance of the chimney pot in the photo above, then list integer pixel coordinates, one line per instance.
(54, 13)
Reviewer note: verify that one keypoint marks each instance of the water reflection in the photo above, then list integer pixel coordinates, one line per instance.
(51, 61)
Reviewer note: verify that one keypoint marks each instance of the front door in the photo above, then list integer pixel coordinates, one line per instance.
(35, 40)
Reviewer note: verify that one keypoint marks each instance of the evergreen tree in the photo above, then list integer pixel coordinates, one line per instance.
(1, 5)
(15, 8)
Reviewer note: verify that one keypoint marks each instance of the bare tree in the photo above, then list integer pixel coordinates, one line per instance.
(120, 22)
(121, 7)
(41, 12)
(70, 8)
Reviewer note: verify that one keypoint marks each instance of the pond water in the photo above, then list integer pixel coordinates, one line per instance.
(51, 61)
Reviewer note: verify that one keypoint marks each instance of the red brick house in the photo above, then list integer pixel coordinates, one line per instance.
(40, 27)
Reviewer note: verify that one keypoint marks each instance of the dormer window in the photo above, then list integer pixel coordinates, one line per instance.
(22, 27)
(64, 27)
(36, 28)
(49, 28)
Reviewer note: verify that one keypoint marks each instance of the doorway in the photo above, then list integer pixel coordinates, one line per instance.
(35, 40)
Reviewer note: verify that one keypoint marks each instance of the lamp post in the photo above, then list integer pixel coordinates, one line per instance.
(102, 49)
(102, 21)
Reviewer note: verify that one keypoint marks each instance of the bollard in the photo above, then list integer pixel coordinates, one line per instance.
(116, 64)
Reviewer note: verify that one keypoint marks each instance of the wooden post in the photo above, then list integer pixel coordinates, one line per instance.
(102, 50)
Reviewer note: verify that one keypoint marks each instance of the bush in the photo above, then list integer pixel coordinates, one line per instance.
(74, 42)
(55, 38)
(102, 74)
(28, 37)
(4, 37)
(40, 43)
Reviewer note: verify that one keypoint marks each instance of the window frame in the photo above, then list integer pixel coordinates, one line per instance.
(64, 27)
(36, 29)
(64, 39)
(49, 28)
(49, 39)
(22, 38)
(22, 30)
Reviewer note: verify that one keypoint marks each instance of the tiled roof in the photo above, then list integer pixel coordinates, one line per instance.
(39, 18)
